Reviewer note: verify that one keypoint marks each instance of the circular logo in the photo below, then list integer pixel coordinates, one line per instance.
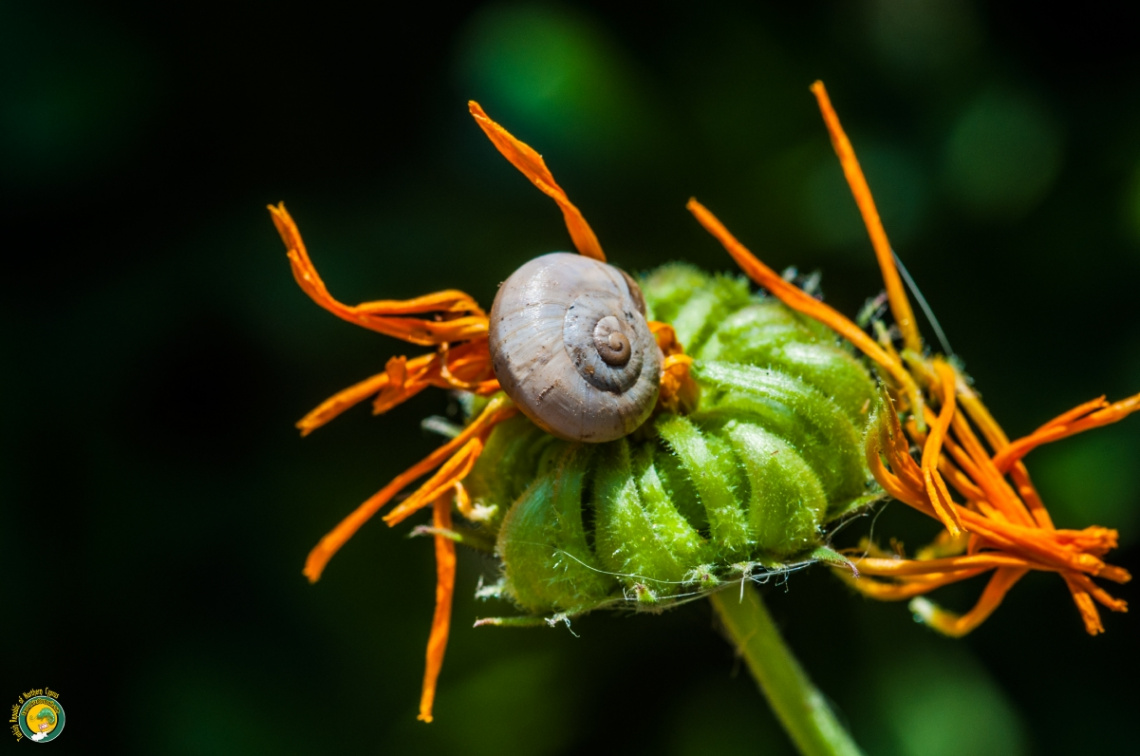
(41, 719)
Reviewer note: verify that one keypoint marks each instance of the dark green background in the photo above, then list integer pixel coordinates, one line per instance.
(157, 504)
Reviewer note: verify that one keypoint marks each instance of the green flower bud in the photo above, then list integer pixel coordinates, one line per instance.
(746, 483)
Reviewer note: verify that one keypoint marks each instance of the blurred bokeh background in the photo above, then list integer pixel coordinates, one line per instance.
(157, 503)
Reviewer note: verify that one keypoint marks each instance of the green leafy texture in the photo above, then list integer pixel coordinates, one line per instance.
(641, 535)
(517, 446)
(768, 333)
(712, 475)
(773, 455)
(786, 499)
(821, 433)
(546, 559)
(693, 302)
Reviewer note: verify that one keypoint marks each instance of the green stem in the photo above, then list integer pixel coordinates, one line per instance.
(800, 707)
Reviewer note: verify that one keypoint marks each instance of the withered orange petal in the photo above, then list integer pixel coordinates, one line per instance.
(530, 164)
(896, 294)
(497, 410)
(444, 591)
(954, 625)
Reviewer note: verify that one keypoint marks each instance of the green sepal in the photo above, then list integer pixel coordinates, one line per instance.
(547, 562)
(811, 422)
(832, 557)
(709, 472)
(642, 541)
(786, 502)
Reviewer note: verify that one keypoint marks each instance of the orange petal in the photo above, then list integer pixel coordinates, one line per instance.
(999, 492)
(886, 591)
(896, 449)
(944, 546)
(679, 392)
(881, 567)
(1063, 427)
(449, 300)
(1077, 412)
(467, 370)
(341, 401)
(958, 478)
(1085, 605)
(384, 316)
(980, 416)
(896, 294)
(530, 163)
(666, 338)
(451, 472)
(892, 483)
(1098, 593)
(393, 393)
(931, 451)
(954, 625)
(1095, 539)
(801, 301)
(1004, 525)
(1035, 543)
(423, 332)
(497, 410)
(444, 590)
(470, 366)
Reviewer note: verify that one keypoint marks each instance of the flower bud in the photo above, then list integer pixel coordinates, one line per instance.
(748, 482)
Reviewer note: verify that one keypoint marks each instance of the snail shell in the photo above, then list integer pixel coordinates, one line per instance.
(570, 345)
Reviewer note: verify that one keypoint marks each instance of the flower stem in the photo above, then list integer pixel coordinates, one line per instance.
(799, 706)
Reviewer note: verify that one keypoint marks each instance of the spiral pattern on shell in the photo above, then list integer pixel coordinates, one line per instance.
(571, 346)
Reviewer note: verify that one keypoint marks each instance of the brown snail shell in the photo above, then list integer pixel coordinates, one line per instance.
(571, 346)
